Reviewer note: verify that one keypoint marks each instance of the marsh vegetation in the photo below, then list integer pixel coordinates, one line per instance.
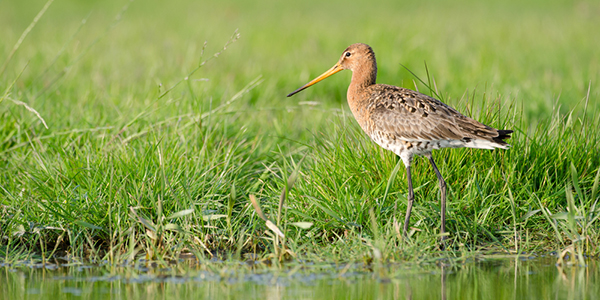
(150, 130)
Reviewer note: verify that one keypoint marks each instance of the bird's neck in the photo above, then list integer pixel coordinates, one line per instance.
(362, 78)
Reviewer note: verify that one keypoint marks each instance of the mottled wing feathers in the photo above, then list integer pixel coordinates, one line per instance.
(411, 116)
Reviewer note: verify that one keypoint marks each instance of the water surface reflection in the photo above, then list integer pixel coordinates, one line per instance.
(508, 278)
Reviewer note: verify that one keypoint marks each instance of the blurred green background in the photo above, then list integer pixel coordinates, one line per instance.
(531, 52)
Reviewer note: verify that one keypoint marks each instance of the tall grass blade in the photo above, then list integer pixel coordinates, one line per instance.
(87, 225)
(595, 186)
(181, 213)
(575, 179)
(24, 35)
(391, 179)
(257, 208)
(290, 183)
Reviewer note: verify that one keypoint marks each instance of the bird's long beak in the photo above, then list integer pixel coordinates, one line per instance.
(336, 68)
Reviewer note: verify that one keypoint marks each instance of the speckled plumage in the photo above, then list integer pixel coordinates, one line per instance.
(406, 122)
(410, 123)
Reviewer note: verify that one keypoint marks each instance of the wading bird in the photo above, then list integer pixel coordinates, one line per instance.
(406, 122)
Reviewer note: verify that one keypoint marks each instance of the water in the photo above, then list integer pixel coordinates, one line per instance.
(489, 278)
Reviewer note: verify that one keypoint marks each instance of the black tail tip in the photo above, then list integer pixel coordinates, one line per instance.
(502, 135)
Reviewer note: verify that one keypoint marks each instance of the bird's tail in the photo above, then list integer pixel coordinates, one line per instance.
(503, 135)
(489, 142)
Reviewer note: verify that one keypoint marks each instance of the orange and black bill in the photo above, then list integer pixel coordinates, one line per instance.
(338, 67)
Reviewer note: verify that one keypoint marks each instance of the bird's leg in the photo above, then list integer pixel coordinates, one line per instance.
(411, 198)
(443, 195)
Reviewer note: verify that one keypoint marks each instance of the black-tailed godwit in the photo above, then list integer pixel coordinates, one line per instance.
(406, 122)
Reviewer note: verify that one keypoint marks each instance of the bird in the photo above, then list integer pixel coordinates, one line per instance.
(407, 122)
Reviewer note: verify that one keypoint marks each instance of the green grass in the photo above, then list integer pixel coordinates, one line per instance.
(150, 151)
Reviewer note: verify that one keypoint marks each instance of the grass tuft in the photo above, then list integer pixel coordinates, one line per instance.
(150, 148)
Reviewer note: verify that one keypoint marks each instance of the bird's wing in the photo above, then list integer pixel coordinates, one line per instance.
(412, 116)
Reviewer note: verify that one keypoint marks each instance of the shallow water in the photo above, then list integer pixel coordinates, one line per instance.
(486, 278)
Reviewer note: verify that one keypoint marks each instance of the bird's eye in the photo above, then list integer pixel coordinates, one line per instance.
(348, 54)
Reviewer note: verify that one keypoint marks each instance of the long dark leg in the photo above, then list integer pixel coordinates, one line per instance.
(411, 198)
(443, 195)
